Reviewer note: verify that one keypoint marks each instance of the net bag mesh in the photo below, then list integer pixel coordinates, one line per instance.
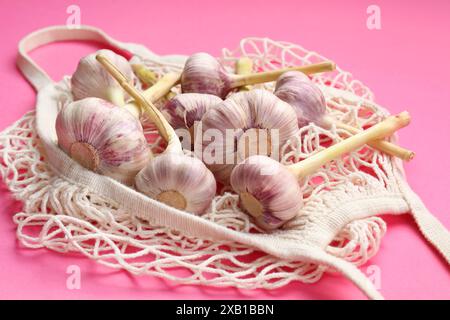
(63, 216)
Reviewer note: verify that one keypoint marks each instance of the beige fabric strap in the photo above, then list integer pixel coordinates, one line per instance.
(350, 271)
(432, 229)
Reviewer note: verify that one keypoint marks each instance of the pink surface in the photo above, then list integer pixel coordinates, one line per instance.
(405, 64)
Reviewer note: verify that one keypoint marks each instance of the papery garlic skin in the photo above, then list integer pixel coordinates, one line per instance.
(202, 73)
(92, 80)
(242, 111)
(184, 181)
(303, 95)
(185, 109)
(110, 134)
(268, 191)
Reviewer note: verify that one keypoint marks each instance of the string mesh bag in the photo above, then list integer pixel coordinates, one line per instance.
(67, 208)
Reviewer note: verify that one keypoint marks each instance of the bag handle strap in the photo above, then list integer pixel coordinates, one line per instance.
(431, 228)
(347, 269)
(36, 75)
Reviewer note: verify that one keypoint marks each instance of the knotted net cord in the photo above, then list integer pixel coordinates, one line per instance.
(65, 217)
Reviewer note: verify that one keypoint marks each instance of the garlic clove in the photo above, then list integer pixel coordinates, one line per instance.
(92, 80)
(179, 181)
(267, 191)
(103, 138)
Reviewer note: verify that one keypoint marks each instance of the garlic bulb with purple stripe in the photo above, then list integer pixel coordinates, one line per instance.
(228, 129)
(103, 138)
(180, 181)
(307, 99)
(270, 192)
(203, 73)
(91, 79)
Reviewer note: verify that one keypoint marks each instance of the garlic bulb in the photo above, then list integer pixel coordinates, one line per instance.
(180, 181)
(270, 192)
(309, 103)
(103, 138)
(185, 109)
(271, 121)
(91, 80)
(202, 73)
(307, 99)
(173, 178)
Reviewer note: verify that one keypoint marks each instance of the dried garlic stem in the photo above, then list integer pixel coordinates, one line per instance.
(378, 131)
(381, 145)
(261, 77)
(244, 65)
(164, 128)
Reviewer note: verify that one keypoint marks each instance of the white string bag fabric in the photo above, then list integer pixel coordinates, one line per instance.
(68, 208)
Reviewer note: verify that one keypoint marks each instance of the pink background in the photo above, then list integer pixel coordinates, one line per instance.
(406, 64)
